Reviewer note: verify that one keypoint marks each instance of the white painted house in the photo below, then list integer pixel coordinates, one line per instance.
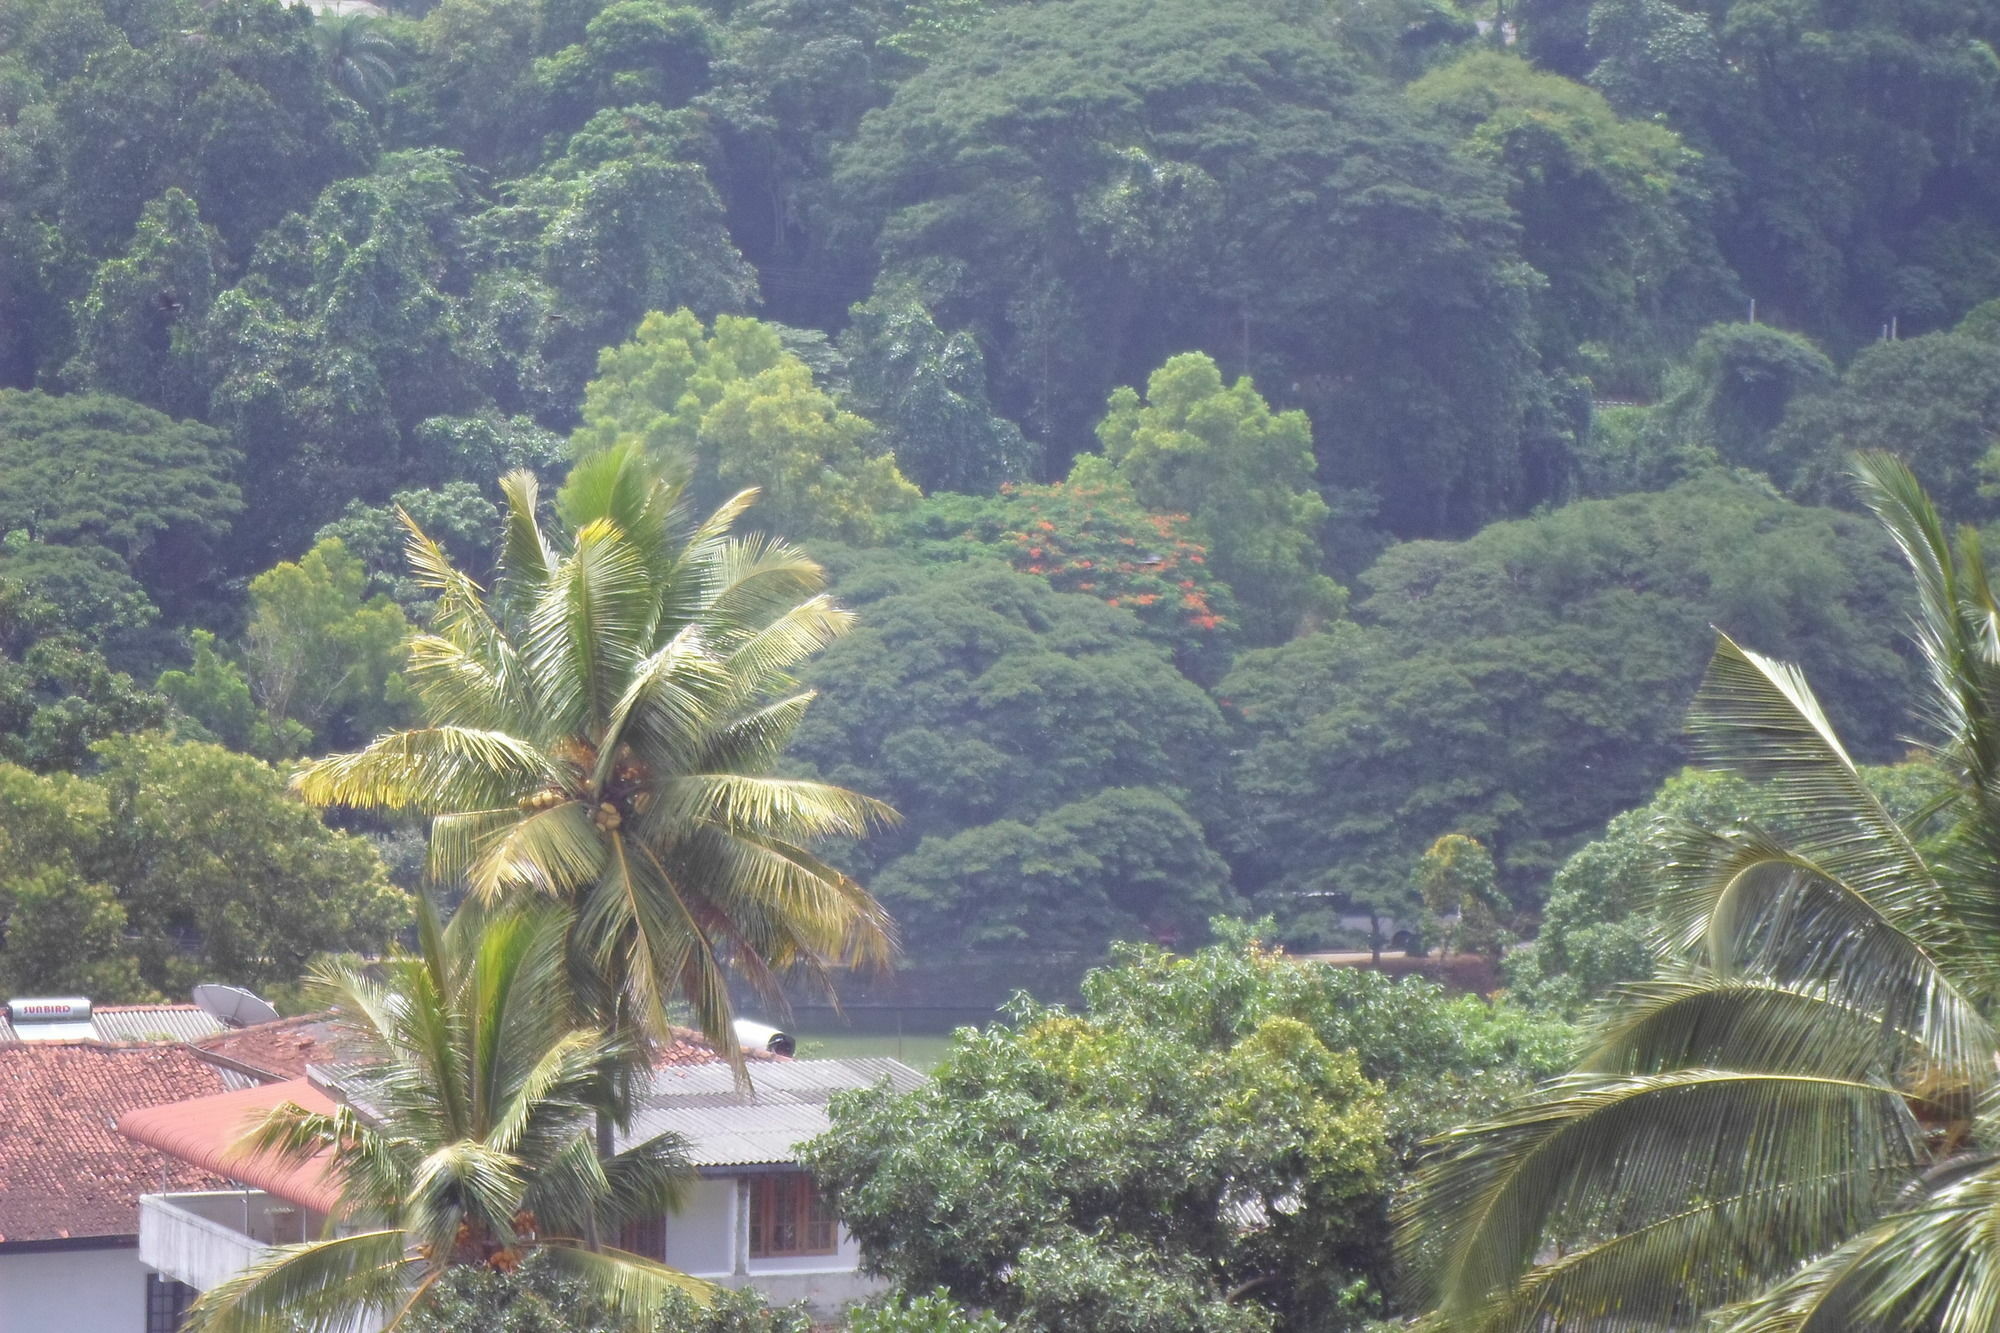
(753, 1219)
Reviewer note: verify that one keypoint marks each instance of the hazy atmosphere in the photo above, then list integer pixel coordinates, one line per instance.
(999, 666)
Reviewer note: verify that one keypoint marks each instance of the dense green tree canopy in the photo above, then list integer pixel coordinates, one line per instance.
(926, 391)
(174, 864)
(1933, 401)
(1243, 476)
(1523, 686)
(322, 652)
(1097, 185)
(1093, 536)
(1614, 213)
(742, 411)
(101, 472)
(58, 694)
(1209, 1144)
(1058, 779)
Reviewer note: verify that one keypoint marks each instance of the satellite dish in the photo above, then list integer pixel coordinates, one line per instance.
(762, 1037)
(232, 1005)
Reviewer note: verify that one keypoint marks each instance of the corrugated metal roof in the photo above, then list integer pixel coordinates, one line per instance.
(786, 1105)
(154, 1022)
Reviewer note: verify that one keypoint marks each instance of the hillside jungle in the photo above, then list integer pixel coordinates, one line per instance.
(1288, 461)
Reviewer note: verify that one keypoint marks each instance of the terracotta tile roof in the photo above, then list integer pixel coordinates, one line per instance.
(204, 1132)
(691, 1048)
(65, 1171)
(281, 1049)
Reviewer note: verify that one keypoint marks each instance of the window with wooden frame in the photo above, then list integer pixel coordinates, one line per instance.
(789, 1216)
(645, 1236)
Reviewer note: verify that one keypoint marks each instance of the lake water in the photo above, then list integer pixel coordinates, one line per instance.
(916, 1035)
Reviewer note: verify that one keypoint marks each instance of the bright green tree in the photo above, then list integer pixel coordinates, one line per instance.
(474, 1150)
(1821, 1013)
(601, 731)
(1210, 1142)
(214, 701)
(201, 843)
(1456, 884)
(743, 411)
(61, 932)
(1243, 475)
(173, 864)
(323, 653)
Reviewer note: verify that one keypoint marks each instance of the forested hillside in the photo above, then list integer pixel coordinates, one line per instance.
(1260, 438)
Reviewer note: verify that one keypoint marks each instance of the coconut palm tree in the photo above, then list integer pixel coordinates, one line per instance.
(470, 1141)
(359, 58)
(601, 734)
(1792, 1127)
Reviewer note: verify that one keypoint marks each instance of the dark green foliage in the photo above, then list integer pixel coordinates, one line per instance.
(1097, 185)
(1723, 407)
(1227, 1121)
(1523, 686)
(140, 327)
(538, 1299)
(619, 225)
(994, 714)
(925, 390)
(1093, 537)
(115, 479)
(57, 693)
(1614, 214)
(229, 102)
(178, 863)
(634, 52)
(1848, 203)
(456, 516)
(1932, 401)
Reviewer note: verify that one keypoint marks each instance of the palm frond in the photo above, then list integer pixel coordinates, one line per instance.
(1757, 717)
(312, 1288)
(637, 1291)
(1701, 1020)
(1754, 907)
(1594, 1157)
(587, 628)
(550, 851)
(1934, 1267)
(431, 770)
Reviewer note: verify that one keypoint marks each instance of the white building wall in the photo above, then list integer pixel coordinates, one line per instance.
(701, 1237)
(73, 1291)
(710, 1238)
(176, 1239)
